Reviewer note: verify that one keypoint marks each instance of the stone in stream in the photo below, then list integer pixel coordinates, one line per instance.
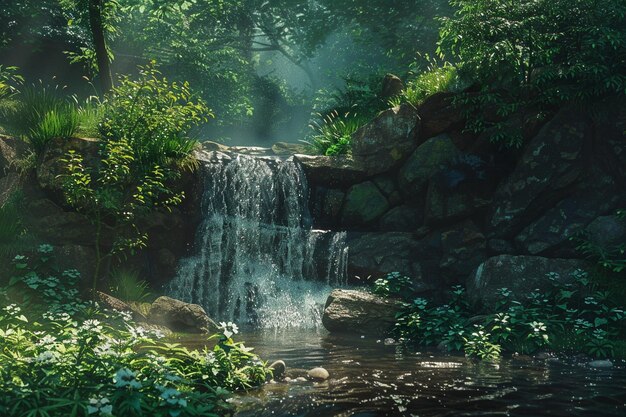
(180, 316)
(278, 369)
(318, 374)
(601, 364)
(360, 312)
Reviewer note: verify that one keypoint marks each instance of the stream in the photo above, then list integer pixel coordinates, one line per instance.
(369, 378)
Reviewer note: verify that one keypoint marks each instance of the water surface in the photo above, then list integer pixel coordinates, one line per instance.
(369, 378)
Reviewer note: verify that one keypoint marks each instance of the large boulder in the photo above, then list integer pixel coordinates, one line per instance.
(549, 165)
(180, 316)
(331, 171)
(427, 160)
(464, 247)
(360, 312)
(607, 232)
(438, 114)
(363, 204)
(377, 254)
(445, 202)
(401, 219)
(113, 303)
(288, 149)
(392, 86)
(385, 142)
(520, 274)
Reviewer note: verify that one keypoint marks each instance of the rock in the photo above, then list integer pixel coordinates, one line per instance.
(155, 329)
(597, 194)
(331, 171)
(500, 247)
(51, 166)
(520, 274)
(278, 369)
(9, 184)
(607, 231)
(385, 142)
(214, 146)
(52, 224)
(439, 115)
(318, 374)
(427, 160)
(389, 342)
(445, 203)
(11, 149)
(377, 254)
(400, 219)
(364, 203)
(464, 248)
(180, 316)
(352, 311)
(392, 86)
(288, 149)
(601, 364)
(551, 162)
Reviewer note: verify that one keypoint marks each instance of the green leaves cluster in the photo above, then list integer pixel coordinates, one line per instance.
(154, 117)
(76, 359)
(571, 317)
(333, 134)
(534, 54)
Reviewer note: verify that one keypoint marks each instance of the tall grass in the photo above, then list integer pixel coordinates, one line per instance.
(127, 285)
(332, 135)
(40, 113)
(434, 80)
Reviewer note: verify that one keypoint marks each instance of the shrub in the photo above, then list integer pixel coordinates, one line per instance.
(76, 359)
(154, 116)
(9, 80)
(567, 318)
(333, 135)
(128, 286)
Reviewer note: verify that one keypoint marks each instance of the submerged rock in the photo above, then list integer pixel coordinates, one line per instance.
(360, 312)
(318, 374)
(601, 364)
(180, 316)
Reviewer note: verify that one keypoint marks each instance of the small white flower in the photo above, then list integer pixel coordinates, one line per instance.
(229, 329)
(47, 341)
(91, 326)
(12, 309)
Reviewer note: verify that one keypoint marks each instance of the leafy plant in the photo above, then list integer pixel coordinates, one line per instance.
(560, 318)
(9, 81)
(40, 113)
(154, 117)
(115, 196)
(333, 135)
(393, 284)
(128, 286)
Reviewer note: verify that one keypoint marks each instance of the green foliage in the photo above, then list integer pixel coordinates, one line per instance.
(531, 55)
(9, 81)
(435, 79)
(41, 113)
(154, 117)
(574, 317)
(116, 195)
(333, 135)
(76, 359)
(393, 284)
(12, 230)
(127, 285)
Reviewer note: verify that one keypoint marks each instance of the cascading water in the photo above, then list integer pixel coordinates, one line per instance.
(256, 260)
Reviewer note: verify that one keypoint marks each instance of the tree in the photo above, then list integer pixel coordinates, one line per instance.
(99, 42)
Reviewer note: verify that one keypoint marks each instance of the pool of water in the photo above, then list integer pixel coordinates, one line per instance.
(369, 378)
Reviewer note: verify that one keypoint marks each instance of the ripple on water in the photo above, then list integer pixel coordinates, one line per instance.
(369, 379)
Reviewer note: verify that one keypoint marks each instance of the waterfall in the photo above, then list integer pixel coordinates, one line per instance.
(256, 260)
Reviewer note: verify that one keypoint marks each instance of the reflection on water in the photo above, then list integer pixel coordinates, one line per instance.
(370, 379)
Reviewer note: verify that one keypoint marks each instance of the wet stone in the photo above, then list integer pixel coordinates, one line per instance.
(318, 374)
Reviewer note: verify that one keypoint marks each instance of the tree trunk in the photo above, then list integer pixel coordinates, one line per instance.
(99, 42)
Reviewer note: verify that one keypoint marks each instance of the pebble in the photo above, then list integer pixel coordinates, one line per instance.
(300, 379)
(318, 374)
(389, 341)
(601, 364)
